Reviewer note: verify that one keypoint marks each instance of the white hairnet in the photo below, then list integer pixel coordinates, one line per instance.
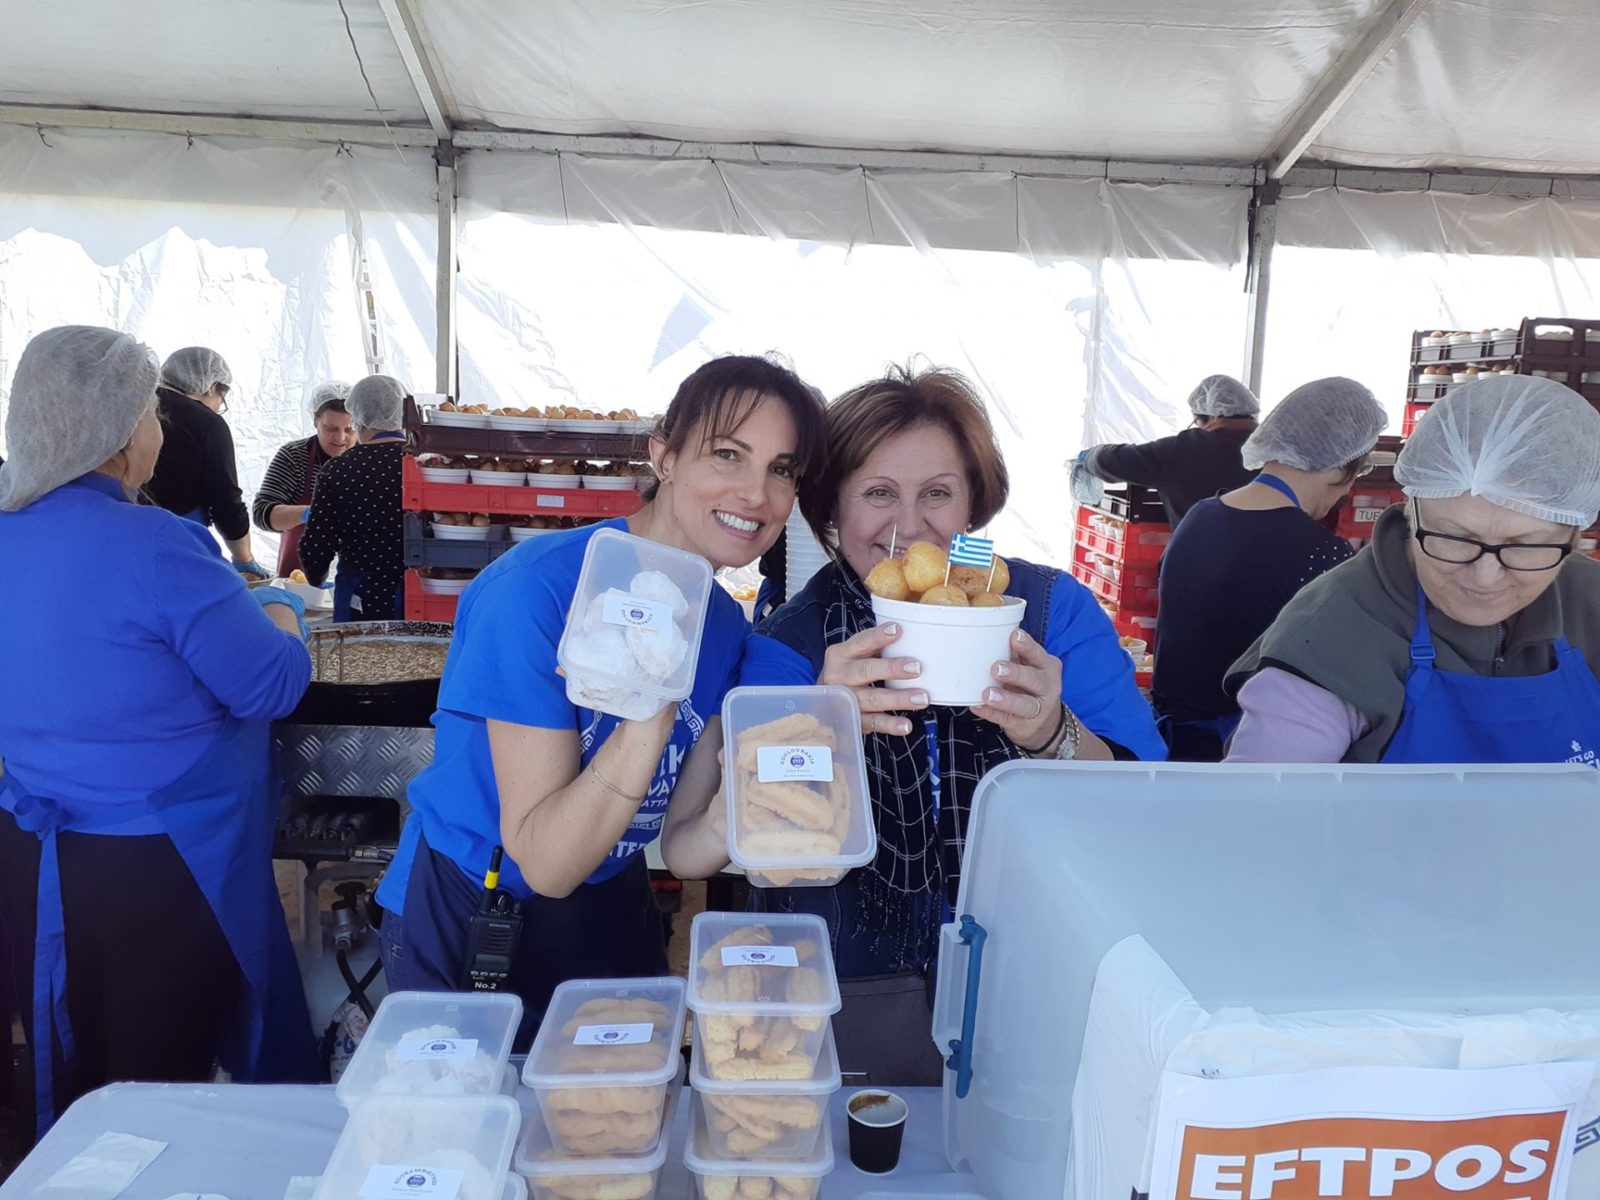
(195, 370)
(335, 391)
(377, 402)
(1320, 425)
(1223, 396)
(1530, 445)
(78, 393)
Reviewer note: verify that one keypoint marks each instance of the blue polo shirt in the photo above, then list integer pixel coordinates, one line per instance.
(502, 667)
(125, 643)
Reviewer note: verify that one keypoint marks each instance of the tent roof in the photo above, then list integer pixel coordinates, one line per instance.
(1497, 84)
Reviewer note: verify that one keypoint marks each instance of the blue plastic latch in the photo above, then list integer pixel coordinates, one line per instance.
(973, 936)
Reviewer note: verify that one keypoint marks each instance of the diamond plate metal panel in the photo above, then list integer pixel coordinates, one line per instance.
(350, 760)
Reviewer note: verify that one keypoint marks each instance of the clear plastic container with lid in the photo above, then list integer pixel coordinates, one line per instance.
(423, 1148)
(633, 633)
(719, 1178)
(603, 1062)
(773, 1119)
(799, 813)
(434, 1044)
(762, 987)
(555, 1175)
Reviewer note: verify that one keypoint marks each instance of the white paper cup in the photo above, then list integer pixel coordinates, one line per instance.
(957, 647)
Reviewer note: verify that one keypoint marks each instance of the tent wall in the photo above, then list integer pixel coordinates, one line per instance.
(253, 248)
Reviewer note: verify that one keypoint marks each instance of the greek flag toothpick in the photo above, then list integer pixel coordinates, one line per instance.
(969, 551)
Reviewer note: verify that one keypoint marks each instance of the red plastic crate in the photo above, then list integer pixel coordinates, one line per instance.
(1415, 411)
(1135, 625)
(1365, 506)
(422, 607)
(1122, 575)
(1126, 599)
(418, 495)
(1141, 544)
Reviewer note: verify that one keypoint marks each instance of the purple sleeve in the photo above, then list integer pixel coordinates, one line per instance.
(1290, 720)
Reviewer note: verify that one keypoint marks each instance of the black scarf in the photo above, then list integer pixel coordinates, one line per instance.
(905, 890)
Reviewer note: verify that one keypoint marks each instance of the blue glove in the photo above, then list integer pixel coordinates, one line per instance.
(276, 595)
(305, 515)
(252, 568)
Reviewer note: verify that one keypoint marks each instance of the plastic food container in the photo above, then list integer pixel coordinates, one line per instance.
(762, 987)
(525, 424)
(632, 639)
(536, 479)
(767, 1120)
(738, 1179)
(582, 426)
(799, 813)
(459, 533)
(609, 483)
(957, 647)
(461, 420)
(433, 1044)
(445, 474)
(520, 533)
(423, 1148)
(500, 478)
(554, 1175)
(603, 1060)
(443, 587)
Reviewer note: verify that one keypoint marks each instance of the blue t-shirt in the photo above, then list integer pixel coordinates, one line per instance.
(1097, 680)
(125, 645)
(502, 667)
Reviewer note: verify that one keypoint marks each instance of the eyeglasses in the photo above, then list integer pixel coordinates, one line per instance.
(222, 392)
(1513, 556)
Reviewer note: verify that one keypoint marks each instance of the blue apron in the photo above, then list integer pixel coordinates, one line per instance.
(1450, 717)
(220, 815)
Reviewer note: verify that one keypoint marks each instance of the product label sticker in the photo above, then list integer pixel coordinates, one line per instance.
(551, 501)
(760, 956)
(632, 612)
(397, 1182)
(801, 764)
(614, 1035)
(1366, 516)
(412, 1048)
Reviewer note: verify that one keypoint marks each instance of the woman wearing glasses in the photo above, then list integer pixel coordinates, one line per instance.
(1471, 632)
(1237, 559)
(196, 475)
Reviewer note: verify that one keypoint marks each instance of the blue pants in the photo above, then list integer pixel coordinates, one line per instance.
(603, 930)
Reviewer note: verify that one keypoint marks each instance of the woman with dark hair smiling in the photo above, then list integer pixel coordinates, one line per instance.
(912, 457)
(572, 795)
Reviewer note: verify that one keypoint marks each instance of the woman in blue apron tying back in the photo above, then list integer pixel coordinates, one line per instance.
(356, 514)
(912, 457)
(1470, 630)
(136, 804)
(573, 796)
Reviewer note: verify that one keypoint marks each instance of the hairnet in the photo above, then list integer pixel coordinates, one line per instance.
(377, 402)
(1530, 445)
(1223, 396)
(335, 391)
(1320, 425)
(78, 393)
(195, 370)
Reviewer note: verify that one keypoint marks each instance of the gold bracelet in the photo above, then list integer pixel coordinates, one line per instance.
(594, 768)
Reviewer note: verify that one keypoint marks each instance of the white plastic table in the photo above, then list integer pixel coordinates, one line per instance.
(246, 1142)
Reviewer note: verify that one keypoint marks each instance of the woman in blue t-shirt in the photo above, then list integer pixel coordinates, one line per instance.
(574, 796)
(912, 457)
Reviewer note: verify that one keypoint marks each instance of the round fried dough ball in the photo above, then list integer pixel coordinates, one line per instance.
(924, 566)
(888, 580)
(988, 600)
(948, 595)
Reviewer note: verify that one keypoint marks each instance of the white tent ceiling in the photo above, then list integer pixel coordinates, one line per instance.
(1496, 84)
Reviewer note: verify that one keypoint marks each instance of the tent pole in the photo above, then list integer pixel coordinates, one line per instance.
(1258, 278)
(445, 283)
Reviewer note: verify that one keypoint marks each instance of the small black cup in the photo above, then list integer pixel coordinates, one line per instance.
(877, 1127)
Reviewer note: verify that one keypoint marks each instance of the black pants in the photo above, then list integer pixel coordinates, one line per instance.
(604, 930)
(151, 982)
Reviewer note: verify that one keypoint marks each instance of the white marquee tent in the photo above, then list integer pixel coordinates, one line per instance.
(1084, 204)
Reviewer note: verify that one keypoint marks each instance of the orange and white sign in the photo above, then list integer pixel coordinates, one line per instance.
(1406, 1133)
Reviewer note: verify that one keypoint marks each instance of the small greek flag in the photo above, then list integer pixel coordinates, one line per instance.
(969, 551)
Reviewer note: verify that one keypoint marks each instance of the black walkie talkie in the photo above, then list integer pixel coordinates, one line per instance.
(492, 935)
